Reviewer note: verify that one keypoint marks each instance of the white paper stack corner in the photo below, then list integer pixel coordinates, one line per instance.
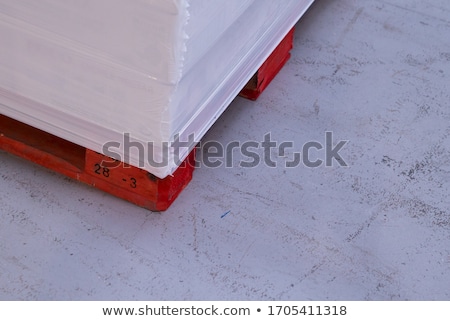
(111, 74)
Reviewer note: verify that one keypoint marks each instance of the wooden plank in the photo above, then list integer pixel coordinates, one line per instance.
(114, 177)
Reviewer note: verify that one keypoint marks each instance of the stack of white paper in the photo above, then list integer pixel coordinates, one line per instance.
(145, 71)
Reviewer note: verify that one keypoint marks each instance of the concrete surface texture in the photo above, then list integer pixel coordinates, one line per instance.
(374, 73)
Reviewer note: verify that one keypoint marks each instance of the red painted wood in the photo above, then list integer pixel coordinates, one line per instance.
(269, 69)
(124, 181)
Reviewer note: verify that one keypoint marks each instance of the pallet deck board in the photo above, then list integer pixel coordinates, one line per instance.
(114, 177)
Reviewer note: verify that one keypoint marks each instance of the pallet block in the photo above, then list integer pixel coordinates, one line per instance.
(269, 69)
(114, 177)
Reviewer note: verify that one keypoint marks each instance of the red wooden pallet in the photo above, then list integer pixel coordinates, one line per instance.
(124, 181)
(127, 182)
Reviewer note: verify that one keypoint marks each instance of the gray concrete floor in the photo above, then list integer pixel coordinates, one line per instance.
(375, 73)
